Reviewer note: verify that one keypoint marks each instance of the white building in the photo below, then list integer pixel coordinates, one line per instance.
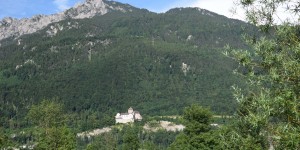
(130, 116)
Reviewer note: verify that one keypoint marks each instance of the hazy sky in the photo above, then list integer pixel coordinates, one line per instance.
(28, 8)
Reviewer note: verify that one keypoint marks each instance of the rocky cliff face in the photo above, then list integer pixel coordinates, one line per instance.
(11, 27)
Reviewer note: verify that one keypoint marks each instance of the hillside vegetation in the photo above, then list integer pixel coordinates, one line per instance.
(156, 63)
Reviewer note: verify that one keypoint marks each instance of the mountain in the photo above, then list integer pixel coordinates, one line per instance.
(90, 8)
(102, 57)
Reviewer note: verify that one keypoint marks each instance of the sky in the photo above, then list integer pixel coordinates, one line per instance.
(28, 8)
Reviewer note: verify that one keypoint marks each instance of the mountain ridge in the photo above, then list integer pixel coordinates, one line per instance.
(16, 27)
(12, 27)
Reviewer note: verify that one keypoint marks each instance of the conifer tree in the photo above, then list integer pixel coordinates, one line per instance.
(198, 133)
(130, 138)
(51, 132)
(269, 109)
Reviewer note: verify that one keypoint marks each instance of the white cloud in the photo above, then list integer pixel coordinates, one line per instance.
(229, 9)
(285, 12)
(62, 4)
(222, 7)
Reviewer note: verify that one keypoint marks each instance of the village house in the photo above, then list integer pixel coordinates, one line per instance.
(130, 116)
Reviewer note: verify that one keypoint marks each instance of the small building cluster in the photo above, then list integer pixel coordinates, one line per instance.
(128, 117)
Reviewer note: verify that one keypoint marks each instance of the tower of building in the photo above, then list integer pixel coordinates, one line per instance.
(130, 110)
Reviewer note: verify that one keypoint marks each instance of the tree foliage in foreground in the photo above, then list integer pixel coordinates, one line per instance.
(198, 133)
(269, 111)
(106, 141)
(130, 139)
(4, 139)
(51, 132)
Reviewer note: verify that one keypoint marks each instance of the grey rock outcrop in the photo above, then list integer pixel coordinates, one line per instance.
(11, 27)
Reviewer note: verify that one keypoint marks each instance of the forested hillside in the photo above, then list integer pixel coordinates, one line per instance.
(190, 77)
(157, 63)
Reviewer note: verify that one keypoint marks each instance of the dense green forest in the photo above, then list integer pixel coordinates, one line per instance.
(57, 83)
(107, 63)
